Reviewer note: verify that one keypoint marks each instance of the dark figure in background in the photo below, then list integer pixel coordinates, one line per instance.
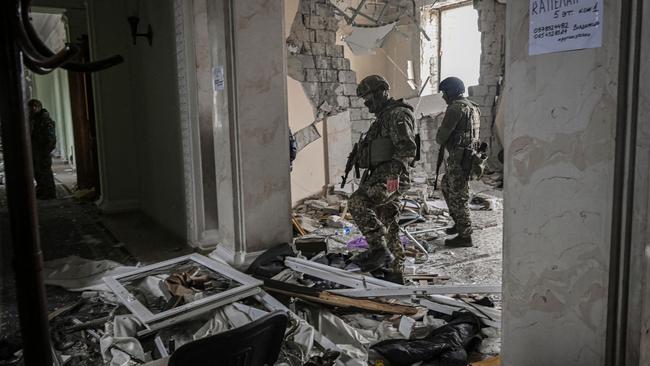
(43, 143)
(458, 131)
(293, 149)
(385, 152)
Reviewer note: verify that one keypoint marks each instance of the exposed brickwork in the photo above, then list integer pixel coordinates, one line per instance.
(319, 64)
(492, 25)
(428, 126)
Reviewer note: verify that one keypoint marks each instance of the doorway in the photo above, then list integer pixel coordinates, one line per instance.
(68, 98)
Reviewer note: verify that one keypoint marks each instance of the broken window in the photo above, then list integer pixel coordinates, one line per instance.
(455, 45)
(460, 44)
(173, 290)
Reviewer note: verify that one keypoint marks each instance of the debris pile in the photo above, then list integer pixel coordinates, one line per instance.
(336, 317)
(336, 314)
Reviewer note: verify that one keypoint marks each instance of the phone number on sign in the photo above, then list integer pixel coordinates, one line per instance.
(550, 30)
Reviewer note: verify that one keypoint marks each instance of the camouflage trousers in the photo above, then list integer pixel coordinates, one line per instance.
(455, 189)
(376, 211)
(45, 187)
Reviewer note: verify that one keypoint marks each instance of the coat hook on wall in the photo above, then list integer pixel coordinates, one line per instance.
(133, 22)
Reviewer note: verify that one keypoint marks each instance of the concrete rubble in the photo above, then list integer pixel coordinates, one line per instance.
(338, 316)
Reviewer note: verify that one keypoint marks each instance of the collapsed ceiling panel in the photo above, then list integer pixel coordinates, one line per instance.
(364, 40)
(377, 13)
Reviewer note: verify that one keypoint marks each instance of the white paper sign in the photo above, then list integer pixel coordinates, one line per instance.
(563, 25)
(218, 79)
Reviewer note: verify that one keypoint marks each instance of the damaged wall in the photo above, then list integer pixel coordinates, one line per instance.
(430, 50)
(308, 173)
(429, 112)
(317, 60)
(560, 134)
(320, 87)
(492, 25)
(401, 45)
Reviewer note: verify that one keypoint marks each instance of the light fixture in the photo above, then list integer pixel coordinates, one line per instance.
(133, 22)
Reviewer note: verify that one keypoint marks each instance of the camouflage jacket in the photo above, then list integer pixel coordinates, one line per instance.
(42, 131)
(395, 122)
(461, 124)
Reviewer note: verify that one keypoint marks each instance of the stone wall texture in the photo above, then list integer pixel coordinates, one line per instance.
(492, 25)
(318, 63)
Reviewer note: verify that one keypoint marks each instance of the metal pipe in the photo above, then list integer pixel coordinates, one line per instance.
(21, 200)
(418, 232)
(415, 242)
(356, 11)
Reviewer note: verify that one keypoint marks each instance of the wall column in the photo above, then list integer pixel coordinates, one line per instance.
(558, 196)
(251, 128)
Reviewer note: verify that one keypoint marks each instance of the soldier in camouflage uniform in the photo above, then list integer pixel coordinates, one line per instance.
(385, 151)
(43, 138)
(458, 132)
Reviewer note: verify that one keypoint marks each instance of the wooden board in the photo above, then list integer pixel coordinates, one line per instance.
(331, 299)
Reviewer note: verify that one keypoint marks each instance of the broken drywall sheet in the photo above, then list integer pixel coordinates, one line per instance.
(427, 105)
(339, 144)
(306, 136)
(364, 40)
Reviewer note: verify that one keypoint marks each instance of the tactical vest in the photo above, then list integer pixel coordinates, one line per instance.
(375, 147)
(467, 130)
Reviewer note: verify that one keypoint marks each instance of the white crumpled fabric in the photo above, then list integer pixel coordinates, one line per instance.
(79, 274)
(121, 332)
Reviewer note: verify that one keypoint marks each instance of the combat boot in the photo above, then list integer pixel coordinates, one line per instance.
(394, 277)
(459, 242)
(451, 230)
(373, 259)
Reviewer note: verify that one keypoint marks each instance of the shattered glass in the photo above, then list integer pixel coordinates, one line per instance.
(169, 287)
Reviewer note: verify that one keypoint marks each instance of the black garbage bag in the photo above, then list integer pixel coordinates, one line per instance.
(447, 344)
(405, 352)
(271, 262)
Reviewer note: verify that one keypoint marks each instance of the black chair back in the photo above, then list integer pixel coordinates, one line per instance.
(254, 344)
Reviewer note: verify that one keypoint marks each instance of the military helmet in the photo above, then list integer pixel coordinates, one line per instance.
(370, 84)
(453, 86)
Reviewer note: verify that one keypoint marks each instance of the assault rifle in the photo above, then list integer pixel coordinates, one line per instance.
(441, 158)
(351, 163)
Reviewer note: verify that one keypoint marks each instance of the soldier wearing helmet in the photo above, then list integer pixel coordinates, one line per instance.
(458, 133)
(385, 152)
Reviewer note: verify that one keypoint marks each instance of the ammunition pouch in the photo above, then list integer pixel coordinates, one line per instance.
(381, 151)
(473, 160)
(375, 152)
(466, 160)
(479, 159)
(363, 161)
(455, 139)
